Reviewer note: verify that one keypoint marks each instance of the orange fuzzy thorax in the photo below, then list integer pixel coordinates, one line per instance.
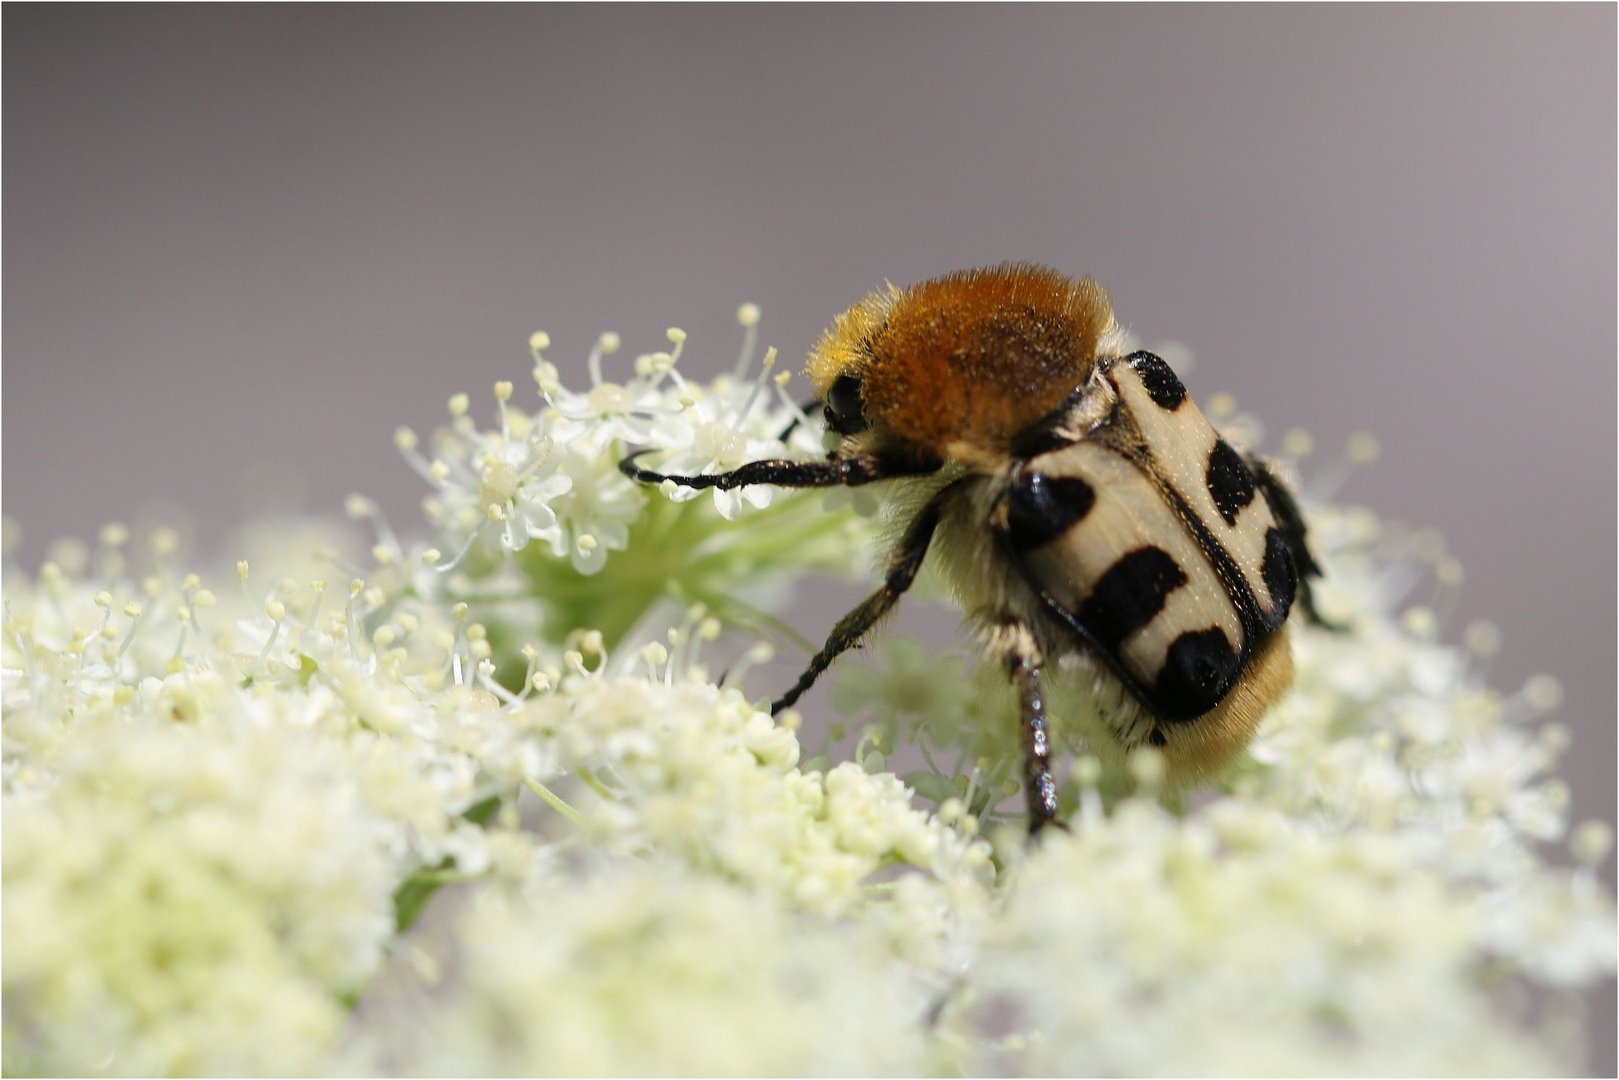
(959, 365)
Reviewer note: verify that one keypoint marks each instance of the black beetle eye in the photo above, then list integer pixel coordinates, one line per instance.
(843, 406)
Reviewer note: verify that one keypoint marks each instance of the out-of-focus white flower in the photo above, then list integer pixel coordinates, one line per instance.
(1242, 942)
(211, 802)
(645, 968)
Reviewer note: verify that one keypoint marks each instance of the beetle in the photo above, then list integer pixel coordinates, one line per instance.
(1092, 523)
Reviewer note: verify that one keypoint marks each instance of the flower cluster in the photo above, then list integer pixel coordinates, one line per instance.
(545, 486)
(491, 812)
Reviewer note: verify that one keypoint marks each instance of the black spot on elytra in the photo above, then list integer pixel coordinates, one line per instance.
(1129, 595)
(1200, 667)
(1041, 508)
(1230, 482)
(1278, 570)
(1163, 385)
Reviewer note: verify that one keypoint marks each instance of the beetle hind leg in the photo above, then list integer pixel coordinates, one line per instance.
(1013, 643)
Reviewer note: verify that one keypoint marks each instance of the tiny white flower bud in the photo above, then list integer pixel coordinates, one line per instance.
(1591, 841)
(1298, 443)
(1482, 637)
(1362, 448)
(1148, 767)
(1543, 692)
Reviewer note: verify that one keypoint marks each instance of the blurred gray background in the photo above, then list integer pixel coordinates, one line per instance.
(243, 244)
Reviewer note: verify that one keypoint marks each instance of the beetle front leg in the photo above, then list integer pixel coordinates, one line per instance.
(850, 471)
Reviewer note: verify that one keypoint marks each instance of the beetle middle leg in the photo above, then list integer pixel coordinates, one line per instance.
(905, 565)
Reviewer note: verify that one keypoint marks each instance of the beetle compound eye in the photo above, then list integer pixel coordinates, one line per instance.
(843, 406)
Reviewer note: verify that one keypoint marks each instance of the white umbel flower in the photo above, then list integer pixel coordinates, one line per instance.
(465, 807)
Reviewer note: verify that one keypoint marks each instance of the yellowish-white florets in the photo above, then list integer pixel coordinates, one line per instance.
(465, 805)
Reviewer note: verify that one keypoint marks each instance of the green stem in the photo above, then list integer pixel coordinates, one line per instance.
(556, 802)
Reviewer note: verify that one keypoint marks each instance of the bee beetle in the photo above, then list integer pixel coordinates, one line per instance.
(1084, 512)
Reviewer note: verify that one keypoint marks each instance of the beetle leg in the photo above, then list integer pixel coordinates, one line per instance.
(907, 561)
(1014, 643)
(832, 472)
